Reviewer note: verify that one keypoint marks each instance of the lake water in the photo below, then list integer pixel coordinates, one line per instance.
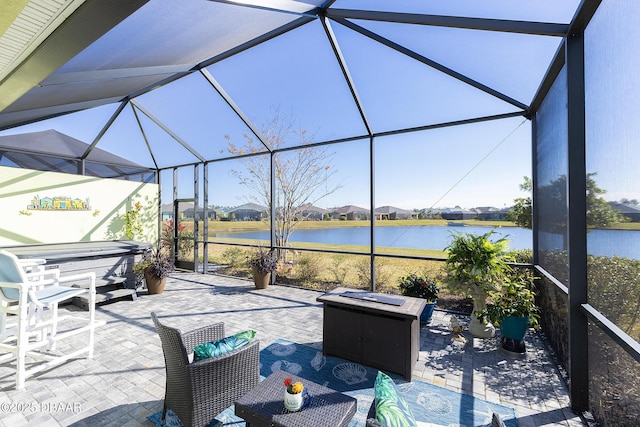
(624, 243)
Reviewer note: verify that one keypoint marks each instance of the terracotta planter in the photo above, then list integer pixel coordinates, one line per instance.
(261, 280)
(155, 285)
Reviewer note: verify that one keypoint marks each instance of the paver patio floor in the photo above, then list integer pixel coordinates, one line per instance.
(124, 382)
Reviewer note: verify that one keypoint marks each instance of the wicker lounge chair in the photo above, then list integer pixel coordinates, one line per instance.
(198, 391)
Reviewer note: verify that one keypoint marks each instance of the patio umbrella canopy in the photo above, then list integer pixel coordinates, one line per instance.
(56, 152)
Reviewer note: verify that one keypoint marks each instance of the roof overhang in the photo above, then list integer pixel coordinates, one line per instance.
(54, 39)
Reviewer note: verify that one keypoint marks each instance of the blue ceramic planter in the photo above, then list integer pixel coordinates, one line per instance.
(425, 317)
(514, 328)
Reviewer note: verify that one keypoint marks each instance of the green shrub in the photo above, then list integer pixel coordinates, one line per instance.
(419, 285)
(524, 256)
(235, 258)
(339, 269)
(613, 287)
(308, 268)
(363, 272)
(614, 290)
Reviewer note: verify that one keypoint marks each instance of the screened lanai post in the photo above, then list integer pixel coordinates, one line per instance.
(205, 219)
(577, 225)
(372, 210)
(176, 205)
(196, 199)
(159, 208)
(534, 189)
(272, 214)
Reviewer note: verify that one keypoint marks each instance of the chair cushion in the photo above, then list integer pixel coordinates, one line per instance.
(391, 408)
(223, 346)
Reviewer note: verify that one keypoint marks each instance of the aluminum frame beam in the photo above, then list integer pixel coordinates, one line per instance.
(167, 130)
(345, 72)
(236, 109)
(485, 24)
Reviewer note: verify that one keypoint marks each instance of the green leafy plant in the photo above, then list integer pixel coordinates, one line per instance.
(419, 286)
(133, 221)
(516, 297)
(475, 260)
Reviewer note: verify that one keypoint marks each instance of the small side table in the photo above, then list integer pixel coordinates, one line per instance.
(263, 406)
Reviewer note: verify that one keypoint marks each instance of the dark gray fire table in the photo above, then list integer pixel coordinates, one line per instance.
(378, 330)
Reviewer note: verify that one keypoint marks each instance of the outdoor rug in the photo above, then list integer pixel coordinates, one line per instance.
(429, 403)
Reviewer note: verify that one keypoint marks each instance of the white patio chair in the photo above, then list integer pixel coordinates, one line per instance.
(29, 315)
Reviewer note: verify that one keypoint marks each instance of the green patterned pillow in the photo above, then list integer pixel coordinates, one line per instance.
(223, 346)
(391, 409)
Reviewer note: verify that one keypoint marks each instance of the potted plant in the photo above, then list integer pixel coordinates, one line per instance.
(263, 263)
(514, 310)
(156, 265)
(421, 286)
(475, 266)
(294, 395)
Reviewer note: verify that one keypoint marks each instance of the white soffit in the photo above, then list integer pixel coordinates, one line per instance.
(32, 26)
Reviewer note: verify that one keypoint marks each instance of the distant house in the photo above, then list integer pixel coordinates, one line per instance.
(632, 212)
(309, 212)
(198, 214)
(430, 213)
(222, 214)
(248, 212)
(457, 214)
(349, 212)
(187, 212)
(166, 211)
(390, 212)
(489, 213)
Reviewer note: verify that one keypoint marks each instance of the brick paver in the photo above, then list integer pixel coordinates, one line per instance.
(124, 382)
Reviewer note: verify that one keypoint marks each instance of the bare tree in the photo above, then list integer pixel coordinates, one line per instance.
(303, 175)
